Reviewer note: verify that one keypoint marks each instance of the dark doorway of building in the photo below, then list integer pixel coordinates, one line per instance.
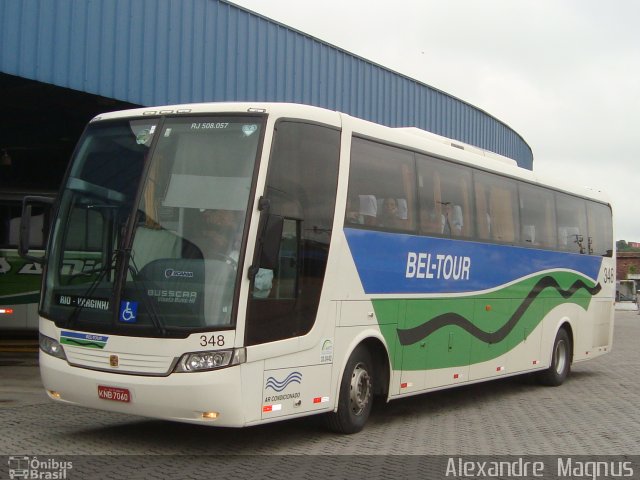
(40, 124)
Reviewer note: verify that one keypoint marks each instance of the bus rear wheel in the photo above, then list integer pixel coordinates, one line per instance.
(560, 361)
(356, 394)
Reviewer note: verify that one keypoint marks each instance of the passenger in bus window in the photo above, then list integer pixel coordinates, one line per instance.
(223, 229)
(453, 219)
(220, 232)
(353, 214)
(431, 220)
(390, 215)
(368, 209)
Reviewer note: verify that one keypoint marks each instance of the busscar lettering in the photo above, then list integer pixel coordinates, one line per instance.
(173, 296)
(437, 266)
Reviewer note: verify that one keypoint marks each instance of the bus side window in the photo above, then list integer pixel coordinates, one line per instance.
(497, 214)
(537, 216)
(600, 236)
(446, 203)
(10, 226)
(572, 223)
(382, 177)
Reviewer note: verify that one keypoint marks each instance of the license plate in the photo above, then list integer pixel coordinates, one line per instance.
(114, 394)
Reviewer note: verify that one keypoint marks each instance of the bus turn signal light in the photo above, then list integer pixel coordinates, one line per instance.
(53, 394)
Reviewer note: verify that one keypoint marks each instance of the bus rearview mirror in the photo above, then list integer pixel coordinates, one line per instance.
(25, 225)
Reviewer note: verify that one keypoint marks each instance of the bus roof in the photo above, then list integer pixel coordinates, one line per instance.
(412, 137)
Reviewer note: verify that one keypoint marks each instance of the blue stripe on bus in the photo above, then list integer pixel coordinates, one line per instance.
(403, 264)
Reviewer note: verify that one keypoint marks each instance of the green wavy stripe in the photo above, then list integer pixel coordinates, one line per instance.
(82, 343)
(515, 311)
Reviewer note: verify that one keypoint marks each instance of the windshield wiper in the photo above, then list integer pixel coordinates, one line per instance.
(125, 256)
(103, 270)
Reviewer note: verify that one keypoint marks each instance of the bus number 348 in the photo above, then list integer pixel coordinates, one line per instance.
(213, 340)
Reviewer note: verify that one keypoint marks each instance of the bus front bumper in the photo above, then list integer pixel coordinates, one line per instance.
(211, 398)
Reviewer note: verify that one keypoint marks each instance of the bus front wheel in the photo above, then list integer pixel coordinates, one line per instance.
(356, 394)
(560, 361)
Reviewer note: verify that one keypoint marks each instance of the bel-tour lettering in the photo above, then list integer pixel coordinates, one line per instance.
(437, 266)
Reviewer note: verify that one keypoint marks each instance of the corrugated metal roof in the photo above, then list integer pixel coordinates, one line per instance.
(153, 52)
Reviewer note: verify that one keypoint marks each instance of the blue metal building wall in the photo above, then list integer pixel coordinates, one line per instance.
(153, 52)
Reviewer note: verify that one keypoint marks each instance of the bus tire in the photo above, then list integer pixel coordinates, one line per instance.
(560, 361)
(356, 394)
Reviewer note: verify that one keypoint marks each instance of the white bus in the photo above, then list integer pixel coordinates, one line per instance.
(260, 262)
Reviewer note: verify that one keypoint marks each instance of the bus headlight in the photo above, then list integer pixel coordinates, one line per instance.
(52, 347)
(202, 361)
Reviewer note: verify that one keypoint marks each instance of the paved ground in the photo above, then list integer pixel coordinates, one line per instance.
(596, 412)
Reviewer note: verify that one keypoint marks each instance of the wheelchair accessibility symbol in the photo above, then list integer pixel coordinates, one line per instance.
(128, 312)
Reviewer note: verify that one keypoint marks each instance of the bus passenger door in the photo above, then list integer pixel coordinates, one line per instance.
(301, 188)
(286, 287)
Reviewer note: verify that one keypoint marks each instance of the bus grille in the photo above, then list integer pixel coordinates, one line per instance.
(128, 363)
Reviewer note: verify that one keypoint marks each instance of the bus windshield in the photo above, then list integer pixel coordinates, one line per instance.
(150, 225)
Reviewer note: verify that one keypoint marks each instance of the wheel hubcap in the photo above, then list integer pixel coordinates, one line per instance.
(560, 357)
(360, 389)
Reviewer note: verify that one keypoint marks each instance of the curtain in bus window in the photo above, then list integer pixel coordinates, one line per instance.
(432, 205)
(429, 201)
(406, 205)
(437, 199)
(497, 203)
(501, 207)
(483, 219)
(549, 240)
(465, 187)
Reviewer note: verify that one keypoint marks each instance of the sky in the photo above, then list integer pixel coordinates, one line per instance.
(564, 74)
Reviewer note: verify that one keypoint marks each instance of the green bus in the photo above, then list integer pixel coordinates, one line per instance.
(20, 278)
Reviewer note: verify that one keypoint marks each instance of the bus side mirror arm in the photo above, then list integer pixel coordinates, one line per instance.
(25, 226)
(268, 243)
